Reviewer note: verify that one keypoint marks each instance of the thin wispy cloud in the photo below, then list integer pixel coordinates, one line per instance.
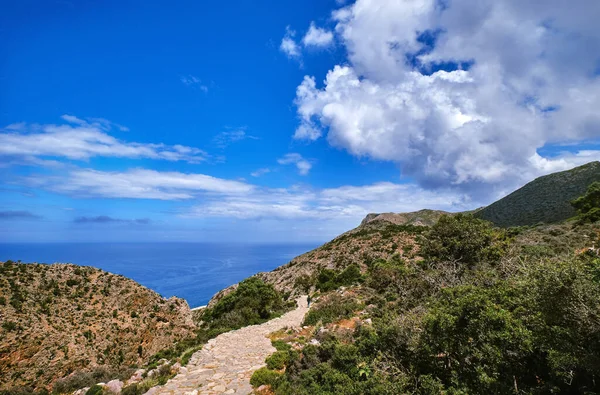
(104, 219)
(81, 140)
(303, 165)
(260, 172)
(194, 82)
(229, 137)
(18, 214)
(138, 184)
(348, 203)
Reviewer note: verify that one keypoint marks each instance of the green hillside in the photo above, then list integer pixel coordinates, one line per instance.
(544, 200)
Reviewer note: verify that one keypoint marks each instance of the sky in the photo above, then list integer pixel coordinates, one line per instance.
(262, 121)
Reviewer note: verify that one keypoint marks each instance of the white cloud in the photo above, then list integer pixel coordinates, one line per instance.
(82, 140)
(226, 138)
(533, 81)
(317, 37)
(303, 165)
(345, 206)
(289, 46)
(139, 184)
(193, 81)
(260, 172)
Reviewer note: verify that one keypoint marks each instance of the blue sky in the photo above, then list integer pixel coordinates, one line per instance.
(281, 121)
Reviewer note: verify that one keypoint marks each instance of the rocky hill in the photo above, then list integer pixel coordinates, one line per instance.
(544, 200)
(419, 218)
(62, 318)
(368, 243)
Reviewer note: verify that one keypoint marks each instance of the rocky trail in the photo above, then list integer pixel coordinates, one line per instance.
(226, 363)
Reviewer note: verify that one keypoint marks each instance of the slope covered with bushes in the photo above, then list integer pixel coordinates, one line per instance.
(545, 200)
(482, 311)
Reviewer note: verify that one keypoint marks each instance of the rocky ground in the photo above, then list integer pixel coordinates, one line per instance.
(60, 319)
(226, 363)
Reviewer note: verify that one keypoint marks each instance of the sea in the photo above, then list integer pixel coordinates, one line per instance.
(192, 271)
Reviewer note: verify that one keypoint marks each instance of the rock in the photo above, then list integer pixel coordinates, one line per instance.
(368, 321)
(136, 377)
(315, 342)
(114, 386)
(81, 391)
(194, 392)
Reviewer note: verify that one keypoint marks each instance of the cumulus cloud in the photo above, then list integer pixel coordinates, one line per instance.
(104, 219)
(303, 165)
(139, 184)
(289, 46)
(317, 37)
(460, 94)
(18, 214)
(83, 139)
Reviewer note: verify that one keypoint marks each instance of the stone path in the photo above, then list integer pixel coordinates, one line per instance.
(225, 363)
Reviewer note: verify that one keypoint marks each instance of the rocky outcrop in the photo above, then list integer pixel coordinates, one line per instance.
(418, 218)
(62, 318)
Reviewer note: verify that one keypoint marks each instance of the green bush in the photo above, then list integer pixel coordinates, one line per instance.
(252, 302)
(9, 326)
(131, 390)
(331, 309)
(280, 345)
(328, 280)
(95, 390)
(264, 376)
(588, 205)
(278, 360)
(464, 239)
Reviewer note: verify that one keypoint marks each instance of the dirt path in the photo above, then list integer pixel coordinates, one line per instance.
(225, 363)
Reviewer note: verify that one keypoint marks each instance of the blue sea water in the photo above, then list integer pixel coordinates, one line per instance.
(193, 271)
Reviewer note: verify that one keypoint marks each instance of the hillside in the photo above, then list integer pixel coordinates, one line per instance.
(61, 318)
(479, 310)
(544, 200)
(360, 246)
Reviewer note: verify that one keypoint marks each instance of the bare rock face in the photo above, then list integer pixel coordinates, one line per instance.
(219, 295)
(62, 318)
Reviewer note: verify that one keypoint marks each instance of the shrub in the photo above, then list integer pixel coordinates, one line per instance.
(252, 302)
(588, 205)
(95, 390)
(277, 360)
(280, 345)
(331, 309)
(328, 280)
(9, 326)
(132, 389)
(264, 376)
(464, 239)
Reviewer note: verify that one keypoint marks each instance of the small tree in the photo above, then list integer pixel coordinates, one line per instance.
(462, 238)
(588, 205)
